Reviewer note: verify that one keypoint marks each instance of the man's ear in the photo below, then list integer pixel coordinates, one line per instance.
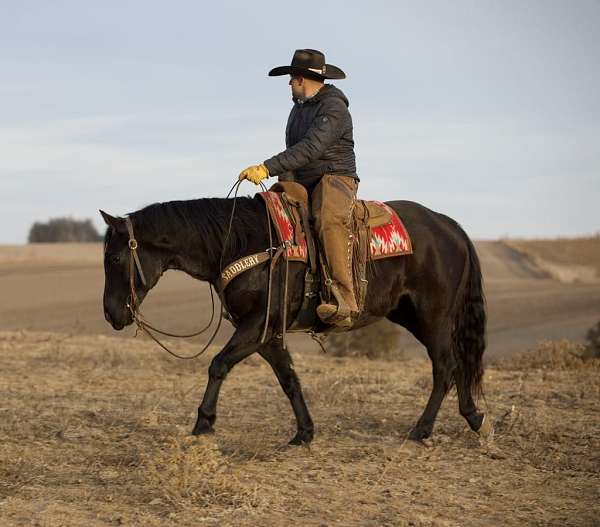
(118, 224)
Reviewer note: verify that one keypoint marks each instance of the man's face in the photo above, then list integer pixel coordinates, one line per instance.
(297, 84)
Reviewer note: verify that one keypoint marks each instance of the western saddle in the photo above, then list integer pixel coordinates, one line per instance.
(317, 280)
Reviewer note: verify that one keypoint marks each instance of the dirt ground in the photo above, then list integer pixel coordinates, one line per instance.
(94, 425)
(95, 431)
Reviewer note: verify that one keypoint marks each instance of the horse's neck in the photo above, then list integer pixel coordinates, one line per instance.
(177, 252)
(197, 252)
(194, 262)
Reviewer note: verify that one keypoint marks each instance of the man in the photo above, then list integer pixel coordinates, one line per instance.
(320, 155)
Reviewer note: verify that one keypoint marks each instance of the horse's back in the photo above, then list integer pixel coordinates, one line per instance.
(441, 253)
(426, 226)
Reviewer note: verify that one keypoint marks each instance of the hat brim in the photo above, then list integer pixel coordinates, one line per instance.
(331, 72)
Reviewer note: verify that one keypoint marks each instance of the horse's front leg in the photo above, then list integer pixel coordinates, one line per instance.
(281, 362)
(242, 344)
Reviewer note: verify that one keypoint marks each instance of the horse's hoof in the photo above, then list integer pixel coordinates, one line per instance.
(418, 434)
(302, 438)
(203, 426)
(486, 430)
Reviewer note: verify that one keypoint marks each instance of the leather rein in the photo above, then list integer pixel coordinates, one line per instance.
(224, 277)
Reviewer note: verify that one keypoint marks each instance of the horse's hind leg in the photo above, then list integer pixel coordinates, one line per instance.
(281, 362)
(467, 406)
(440, 353)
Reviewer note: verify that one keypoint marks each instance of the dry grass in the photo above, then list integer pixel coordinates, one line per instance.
(553, 355)
(567, 259)
(94, 431)
(43, 255)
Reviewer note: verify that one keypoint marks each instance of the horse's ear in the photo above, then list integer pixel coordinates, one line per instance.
(116, 223)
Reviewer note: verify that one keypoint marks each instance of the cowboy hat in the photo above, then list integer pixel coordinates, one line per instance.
(310, 62)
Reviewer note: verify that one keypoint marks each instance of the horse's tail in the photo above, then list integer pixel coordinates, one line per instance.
(468, 334)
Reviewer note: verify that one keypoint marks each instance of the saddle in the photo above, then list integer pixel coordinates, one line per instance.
(378, 233)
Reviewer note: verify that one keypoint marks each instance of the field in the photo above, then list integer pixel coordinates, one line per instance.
(94, 425)
(568, 260)
(95, 432)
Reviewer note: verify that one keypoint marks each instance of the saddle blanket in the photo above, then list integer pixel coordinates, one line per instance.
(387, 240)
(390, 239)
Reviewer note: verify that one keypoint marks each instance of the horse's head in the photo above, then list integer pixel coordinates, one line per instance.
(126, 282)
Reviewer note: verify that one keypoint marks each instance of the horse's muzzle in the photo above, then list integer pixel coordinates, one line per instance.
(119, 324)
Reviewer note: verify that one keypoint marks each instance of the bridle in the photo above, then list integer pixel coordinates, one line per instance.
(135, 264)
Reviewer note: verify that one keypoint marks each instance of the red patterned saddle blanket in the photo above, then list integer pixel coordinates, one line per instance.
(388, 236)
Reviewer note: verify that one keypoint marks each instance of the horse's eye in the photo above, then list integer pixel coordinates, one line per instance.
(115, 259)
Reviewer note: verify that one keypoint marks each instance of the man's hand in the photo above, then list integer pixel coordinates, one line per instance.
(254, 173)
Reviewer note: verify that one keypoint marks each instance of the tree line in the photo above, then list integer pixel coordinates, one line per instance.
(63, 230)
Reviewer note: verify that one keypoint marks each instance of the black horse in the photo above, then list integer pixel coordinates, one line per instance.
(436, 293)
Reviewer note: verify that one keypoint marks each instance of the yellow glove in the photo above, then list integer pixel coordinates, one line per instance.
(254, 173)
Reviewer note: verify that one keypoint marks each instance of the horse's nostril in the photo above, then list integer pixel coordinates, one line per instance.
(107, 316)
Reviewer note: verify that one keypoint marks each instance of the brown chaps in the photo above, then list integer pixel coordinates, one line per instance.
(332, 207)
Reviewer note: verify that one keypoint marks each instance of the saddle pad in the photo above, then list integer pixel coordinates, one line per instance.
(390, 239)
(296, 249)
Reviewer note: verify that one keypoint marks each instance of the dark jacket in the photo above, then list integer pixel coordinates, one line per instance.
(318, 138)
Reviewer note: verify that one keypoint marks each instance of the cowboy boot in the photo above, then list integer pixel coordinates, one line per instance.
(337, 242)
(332, 206)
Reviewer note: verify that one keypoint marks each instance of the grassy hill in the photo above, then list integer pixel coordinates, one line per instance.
(567, 259)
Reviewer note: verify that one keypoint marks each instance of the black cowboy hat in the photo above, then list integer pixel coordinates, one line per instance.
(310, 62)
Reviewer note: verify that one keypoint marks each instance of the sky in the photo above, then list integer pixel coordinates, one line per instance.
(486, 111)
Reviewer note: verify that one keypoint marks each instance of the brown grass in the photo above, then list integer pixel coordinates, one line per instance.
(568, 259)
(552, 355)
(51, 254)
(94, 431)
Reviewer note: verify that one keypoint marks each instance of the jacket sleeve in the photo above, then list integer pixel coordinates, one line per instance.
(325, 130)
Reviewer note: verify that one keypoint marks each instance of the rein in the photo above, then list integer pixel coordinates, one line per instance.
(135, 264)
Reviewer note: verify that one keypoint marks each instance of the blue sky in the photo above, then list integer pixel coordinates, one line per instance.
(486, 111)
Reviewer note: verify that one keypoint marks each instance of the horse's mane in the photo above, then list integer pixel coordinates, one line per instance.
(202, 222)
